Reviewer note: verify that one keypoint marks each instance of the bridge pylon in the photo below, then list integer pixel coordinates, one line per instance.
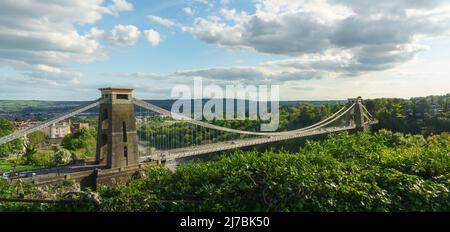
(355, 117)
(117, 143)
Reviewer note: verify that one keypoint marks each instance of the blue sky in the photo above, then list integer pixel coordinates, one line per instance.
(317, 49)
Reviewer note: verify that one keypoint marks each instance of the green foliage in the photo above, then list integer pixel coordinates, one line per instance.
(62, 157)
(422, 115)
(49, 192)
(6, 128)
(364, 172)
(384, 171)
(19, 105)
(36, 139)
(39, 159)
(82, 143)
(8, 165)
(302, 115)
(29, 155)
(42, 158)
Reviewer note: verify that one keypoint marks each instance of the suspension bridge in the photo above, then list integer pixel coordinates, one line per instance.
(133, 132)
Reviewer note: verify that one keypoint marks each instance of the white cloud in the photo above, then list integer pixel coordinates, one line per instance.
(374, 36)
(48, 69)
(97, 34)
(162, 21)
(40, 36)
(155, 76)
(120, 5)
(260, 74)
(252, 75)
(225, 2)
(324, 39)
(189, 11)
(125, 35)
(208, 3)
(232, 15)
(153, 37)
(122, 35)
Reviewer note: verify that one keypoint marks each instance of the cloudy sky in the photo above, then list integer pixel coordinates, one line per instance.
(316, 49)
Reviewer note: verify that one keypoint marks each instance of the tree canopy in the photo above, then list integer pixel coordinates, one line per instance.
(384, 171)
(6, 128)
(82, 138)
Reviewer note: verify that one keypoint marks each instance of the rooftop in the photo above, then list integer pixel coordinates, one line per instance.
(116, 90)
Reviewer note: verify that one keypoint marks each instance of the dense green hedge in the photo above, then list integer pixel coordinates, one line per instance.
(419, 115)
(364, 172)
(361, 172)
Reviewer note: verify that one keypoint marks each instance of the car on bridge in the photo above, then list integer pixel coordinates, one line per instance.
(27, 174)
(13, 175)
(5, 176)
(9, 175)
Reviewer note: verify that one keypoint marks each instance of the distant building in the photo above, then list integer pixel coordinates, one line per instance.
(435, 109)
(77, 126)
(57, 130)
(139, 120)
(20, 125)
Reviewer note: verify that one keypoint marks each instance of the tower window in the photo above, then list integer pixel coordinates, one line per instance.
(124, 131)
(105, 114)
(125, 152)
(122, 96)
(125, 155)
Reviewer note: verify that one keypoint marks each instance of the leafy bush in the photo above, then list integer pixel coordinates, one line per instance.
(364, 172)
(383, 171)
(82, 138)
(81, 144)
(424, 115)
(62, 157)
(43, 158)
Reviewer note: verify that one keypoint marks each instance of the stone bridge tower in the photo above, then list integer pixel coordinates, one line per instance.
(355, 117)
(117, 144)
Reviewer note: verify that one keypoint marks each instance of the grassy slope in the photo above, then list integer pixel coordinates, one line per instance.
(6, 166)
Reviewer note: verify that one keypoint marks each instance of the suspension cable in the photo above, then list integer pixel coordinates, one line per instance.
(207, 125)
